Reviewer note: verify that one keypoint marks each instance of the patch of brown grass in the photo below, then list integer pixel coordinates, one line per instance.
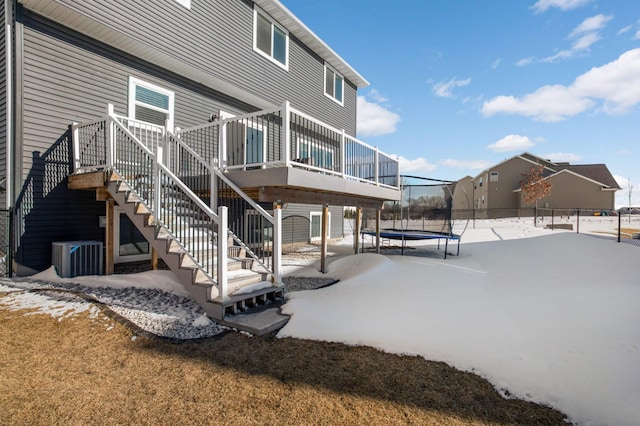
(83, 370)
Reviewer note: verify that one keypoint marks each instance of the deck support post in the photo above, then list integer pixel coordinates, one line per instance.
(356, 233)
(108, 237)
(323, 247)
(154, 259)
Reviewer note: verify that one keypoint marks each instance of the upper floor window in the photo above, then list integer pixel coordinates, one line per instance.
(333, 84)
(493, 177)
(150, 103)
(270, 39)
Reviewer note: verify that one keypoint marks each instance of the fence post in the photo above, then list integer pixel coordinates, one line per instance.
(222, 252)
(157, 183)
(277, 245)
(577, 221)
(75, 138)
(552, 218)
(343, 154)
(213, 185)
(286, 133)
(620, 224)
(111, 154)
(166, 143)
(222, 146)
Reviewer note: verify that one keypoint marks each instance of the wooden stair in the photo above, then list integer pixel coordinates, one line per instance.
(248, 290)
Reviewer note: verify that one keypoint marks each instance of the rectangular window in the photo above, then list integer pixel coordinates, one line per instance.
(333, 84)
(480, 181)
(493, 177)
(270, 39)
(150, 103)
(315, 226)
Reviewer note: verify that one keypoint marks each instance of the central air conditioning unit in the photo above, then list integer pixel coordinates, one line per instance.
(73, 258)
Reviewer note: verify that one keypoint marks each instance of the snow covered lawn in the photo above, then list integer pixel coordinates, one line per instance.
(548, 316)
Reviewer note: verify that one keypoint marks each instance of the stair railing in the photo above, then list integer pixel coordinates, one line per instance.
(160, 191)
(205, 178)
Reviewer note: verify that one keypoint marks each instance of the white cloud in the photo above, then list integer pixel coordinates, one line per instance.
(511, 143)
(585, 35)
(624, 30)
(560, 157)
(637, 36)
(466, 164)
(594, 23)
(444, 89)
(616, 85)
(374, 119)
(524, 61)
(420, 165)
(495, 64)
(377, 96)
(543, 5)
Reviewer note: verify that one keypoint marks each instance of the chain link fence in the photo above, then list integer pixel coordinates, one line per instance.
(6, 242)
(623, 227)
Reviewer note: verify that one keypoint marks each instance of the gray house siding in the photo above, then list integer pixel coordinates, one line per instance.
(67, 77)
(218, 37)
(296, 222)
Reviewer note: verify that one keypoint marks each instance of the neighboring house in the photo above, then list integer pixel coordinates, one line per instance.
(176, 64)
(496, 191)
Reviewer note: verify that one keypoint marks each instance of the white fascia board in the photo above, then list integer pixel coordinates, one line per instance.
(291, 22)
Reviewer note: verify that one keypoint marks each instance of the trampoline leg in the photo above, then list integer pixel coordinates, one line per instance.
(446, 246)
(458, 254)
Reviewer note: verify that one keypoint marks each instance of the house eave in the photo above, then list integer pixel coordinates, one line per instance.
(292, 23)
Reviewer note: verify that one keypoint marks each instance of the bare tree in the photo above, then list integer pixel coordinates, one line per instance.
(534, 187)
(630, 188)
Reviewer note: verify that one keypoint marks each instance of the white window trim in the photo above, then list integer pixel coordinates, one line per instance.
(311, 215)
(265, 15)
(324, 84)
(493, 177)
(133, 82)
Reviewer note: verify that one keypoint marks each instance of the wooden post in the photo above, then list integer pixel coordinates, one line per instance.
(378, 212)
(323, 246)
(356, 236)
(154, 259)
(108, 238)
(277, 244)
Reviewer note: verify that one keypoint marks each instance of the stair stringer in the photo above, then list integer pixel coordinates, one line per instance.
(198, 288)
(193, 278)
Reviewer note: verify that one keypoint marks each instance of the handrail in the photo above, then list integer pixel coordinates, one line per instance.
(248, 199)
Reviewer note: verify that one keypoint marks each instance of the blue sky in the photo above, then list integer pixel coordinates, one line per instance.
(459, 85)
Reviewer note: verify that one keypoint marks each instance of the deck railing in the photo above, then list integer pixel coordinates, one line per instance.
(175, 183)
(160, 191)
(286, 137)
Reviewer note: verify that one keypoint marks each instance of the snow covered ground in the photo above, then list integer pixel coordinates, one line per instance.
(548, 316)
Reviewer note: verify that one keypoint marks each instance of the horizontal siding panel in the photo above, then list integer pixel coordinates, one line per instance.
(218, 37)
